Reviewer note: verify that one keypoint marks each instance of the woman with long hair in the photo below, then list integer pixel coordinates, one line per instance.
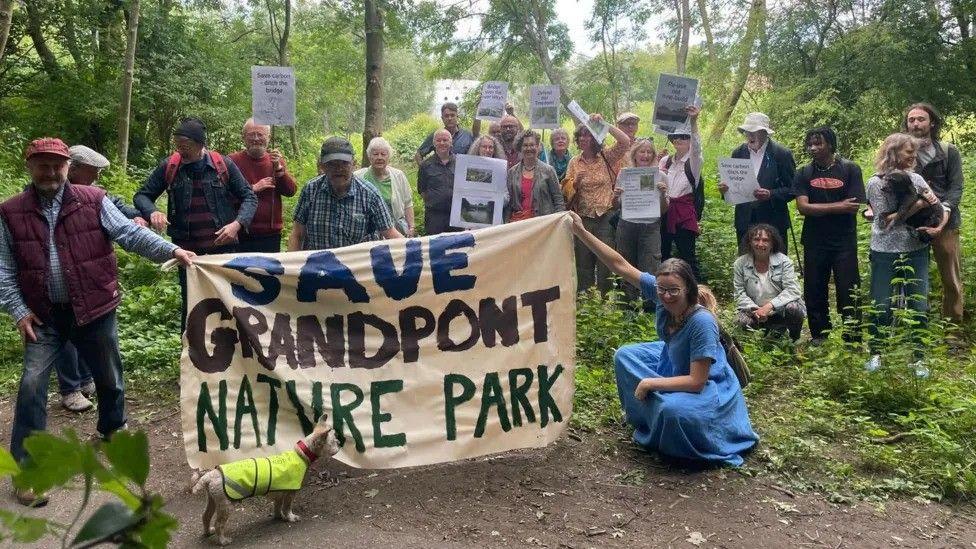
(898, 252)
(679, 393)
(767, 291)
(486, 145)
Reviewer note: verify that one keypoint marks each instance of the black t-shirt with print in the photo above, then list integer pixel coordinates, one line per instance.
(841, 181)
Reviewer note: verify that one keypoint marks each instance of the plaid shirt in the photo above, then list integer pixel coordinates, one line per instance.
(335, 221)
(119, 228)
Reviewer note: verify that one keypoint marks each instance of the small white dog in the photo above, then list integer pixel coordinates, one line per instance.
(279, 477)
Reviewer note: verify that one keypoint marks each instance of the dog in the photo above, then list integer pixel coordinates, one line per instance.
(279, 477)
(900, 185)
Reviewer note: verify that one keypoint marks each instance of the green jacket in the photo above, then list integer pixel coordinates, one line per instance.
(258, 476)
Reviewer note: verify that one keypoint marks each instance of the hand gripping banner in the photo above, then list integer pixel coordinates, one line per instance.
(421, 350)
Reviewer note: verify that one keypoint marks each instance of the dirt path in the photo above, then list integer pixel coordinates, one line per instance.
(598, 491)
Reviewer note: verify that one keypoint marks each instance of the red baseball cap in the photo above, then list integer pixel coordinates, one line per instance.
(47, 145)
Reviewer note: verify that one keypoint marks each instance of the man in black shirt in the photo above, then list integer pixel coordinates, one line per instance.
(829, 192)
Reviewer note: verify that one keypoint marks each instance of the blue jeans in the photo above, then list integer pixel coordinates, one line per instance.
(73, 372)
(885, 267)
(97, 344)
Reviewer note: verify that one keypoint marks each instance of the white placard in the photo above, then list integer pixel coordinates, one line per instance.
(492, 104)
(738, 175)
(273, 95)
(641, 199)
(480, 184)
(674, 93)
(598, 130)
(544, 107)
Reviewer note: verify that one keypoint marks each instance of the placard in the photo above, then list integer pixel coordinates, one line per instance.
(273, 95)
(737, 173)
(544, 107)
(492, 104)
(599, 130)
(674, 94)
(480, 185)
(641, 199)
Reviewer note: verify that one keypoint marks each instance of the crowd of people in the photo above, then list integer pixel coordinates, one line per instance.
(59, 279)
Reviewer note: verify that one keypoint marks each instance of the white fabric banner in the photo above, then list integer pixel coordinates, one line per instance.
(421, 350)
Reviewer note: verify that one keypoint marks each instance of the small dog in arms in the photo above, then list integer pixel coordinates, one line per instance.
(279, 477)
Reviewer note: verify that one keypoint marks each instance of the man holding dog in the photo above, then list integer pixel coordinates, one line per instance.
(940, 164)
(59, 281)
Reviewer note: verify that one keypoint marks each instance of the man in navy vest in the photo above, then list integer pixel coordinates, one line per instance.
(59, 281)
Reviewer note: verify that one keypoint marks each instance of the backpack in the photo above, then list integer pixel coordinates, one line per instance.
(733, 351)
(173, 165)
(697, 189)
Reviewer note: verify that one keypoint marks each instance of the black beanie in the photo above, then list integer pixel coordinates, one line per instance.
(193, 128)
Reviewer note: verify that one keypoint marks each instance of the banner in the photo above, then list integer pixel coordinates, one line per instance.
(421, 350)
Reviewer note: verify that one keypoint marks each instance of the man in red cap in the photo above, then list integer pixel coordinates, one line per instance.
(59, 281)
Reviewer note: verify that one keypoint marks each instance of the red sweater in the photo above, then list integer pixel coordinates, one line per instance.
(267, 218)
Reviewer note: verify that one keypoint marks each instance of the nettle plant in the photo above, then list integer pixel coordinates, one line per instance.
(119, 467)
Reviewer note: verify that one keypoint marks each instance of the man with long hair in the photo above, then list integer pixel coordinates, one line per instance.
(940, 164)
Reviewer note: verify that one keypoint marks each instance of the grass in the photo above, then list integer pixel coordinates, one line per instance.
(825, 425)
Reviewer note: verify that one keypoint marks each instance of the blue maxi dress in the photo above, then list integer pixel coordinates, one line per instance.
(712, 425)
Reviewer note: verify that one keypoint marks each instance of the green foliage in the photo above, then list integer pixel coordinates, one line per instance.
(136, 520)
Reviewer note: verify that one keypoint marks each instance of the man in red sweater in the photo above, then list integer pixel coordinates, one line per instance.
(265, 171)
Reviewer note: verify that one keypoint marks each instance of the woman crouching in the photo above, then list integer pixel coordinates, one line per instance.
(679, 393)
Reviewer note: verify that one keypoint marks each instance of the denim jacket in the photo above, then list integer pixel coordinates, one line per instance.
(782, 276)
(222, 198)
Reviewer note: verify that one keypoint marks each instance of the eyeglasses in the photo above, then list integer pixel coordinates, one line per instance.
(670, 292)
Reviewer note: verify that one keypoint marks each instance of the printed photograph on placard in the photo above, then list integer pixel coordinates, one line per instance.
(545, 116)
(647, 182)
(491, 111)
(477, 175)
(477, 210)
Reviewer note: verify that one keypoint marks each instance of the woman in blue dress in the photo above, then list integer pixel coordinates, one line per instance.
(679, 393)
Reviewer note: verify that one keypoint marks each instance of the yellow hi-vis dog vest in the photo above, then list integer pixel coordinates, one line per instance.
(258, 476)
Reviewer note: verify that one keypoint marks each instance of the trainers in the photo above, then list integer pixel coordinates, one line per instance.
(873, 364)
(76, 402)
(920, 369)
(88, 389)
(28, 498)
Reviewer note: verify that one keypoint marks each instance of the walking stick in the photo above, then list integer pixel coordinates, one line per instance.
(796, 248)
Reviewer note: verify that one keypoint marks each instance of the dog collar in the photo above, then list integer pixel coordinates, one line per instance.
(305, 452)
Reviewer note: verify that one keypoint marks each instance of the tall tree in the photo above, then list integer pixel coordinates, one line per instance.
(683, 10)
(36, 32)
(706, 23)
(279, 36)
(6, 17)
(125, 112)
(373, 123)
(754, 24)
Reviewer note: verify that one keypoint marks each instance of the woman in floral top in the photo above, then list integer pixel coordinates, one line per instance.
(588, 188)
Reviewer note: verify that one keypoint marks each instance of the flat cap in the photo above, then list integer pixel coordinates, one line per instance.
(81, 154)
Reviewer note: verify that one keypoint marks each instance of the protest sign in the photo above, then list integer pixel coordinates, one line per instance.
(273, 95)
(492, 104)
(480, 183)
(641, 200)
(599, 130)
(737, 173)
(544, 107)
(674, 93)
(420, 350)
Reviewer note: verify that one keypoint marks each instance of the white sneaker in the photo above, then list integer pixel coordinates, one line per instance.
(873, 364)
(921, 370)
(76, 402)
(88, 389)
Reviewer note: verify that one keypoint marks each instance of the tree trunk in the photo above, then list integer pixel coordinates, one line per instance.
(132, 29)
(684, 16)
(48, 61)
(6, 17)
(707, 29)
(757, 13)
(285, 61)
(373, 124)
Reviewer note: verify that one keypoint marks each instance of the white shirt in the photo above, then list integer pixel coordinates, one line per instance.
(757, 157)
(678, 184)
